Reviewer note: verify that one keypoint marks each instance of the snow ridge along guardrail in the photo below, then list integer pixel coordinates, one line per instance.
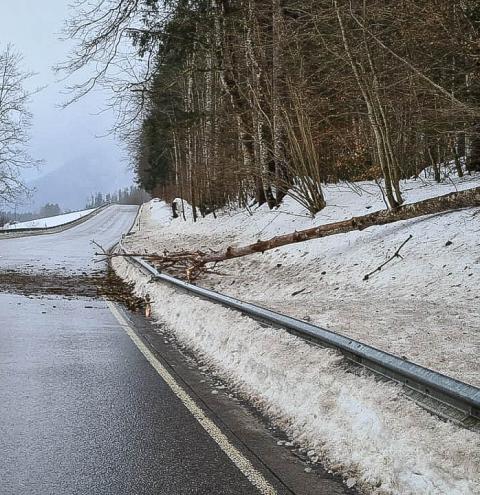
(10, 233)
(444, 396)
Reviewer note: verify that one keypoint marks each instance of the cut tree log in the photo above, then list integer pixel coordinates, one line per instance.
(453, 201)
(194, 261)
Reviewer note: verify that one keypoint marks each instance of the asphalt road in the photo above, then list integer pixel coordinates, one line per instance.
(94, 401)
(83, 412)
(81, 409)
(70, 251)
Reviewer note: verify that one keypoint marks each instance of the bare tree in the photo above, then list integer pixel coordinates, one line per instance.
(15, 120)
(119, 40)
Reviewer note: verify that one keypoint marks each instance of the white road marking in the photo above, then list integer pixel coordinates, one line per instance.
(242, 463)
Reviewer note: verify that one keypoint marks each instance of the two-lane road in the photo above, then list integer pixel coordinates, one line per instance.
(70, 251)
(81, 409)
(86, 407)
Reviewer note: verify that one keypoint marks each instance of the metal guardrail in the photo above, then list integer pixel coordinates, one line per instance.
(23, 232)
(442, 395)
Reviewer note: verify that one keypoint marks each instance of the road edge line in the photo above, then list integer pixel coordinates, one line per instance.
(241, 462)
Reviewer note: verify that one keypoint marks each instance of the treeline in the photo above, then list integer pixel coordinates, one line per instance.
(47, 210)
(247, 101)
(127, 196)
(7, 217)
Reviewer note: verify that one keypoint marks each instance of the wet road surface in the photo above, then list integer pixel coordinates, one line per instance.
(85, 409)
(81, 410)
(70, 251)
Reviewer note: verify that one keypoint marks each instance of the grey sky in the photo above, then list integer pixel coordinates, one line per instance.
(58, 135)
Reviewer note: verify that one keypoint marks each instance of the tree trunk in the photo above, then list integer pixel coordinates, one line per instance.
(241, 107)
(464, 199)
(372, 101)
(282, 179)
(458, 163)
(473, 162)
(195, 261)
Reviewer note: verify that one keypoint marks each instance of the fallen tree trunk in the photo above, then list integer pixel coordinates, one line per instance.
(453, 201)
(194, 261)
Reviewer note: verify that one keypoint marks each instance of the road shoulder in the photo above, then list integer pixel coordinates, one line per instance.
(261, 442)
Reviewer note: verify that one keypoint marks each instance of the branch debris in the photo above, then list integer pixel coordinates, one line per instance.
(395, 255)
(194, 263)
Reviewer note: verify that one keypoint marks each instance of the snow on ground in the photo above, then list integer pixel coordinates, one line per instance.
(358, 427)
(423, 307)
(55, 221)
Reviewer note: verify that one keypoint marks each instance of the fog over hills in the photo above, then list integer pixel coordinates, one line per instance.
(72, 184)
(75, 140)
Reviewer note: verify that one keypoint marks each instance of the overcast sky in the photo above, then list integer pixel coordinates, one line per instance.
(58, 135)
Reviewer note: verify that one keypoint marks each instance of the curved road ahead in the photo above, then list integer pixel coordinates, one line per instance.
(70, 251)
(82, 411)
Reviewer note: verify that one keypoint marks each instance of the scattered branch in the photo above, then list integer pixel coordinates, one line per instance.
(395, 255)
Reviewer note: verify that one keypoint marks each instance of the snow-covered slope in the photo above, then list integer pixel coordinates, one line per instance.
(55, 221)
(423, 307)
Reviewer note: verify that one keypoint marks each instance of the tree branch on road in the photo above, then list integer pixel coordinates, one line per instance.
(193, 263)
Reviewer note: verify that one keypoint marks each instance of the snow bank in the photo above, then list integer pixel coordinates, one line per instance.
(423, 307)
(359, 427)
(55, 221)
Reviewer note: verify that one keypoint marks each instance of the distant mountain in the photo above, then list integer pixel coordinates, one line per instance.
(71, 185)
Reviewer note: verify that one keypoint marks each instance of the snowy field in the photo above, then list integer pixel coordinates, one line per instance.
(55, 221)
(423, 307)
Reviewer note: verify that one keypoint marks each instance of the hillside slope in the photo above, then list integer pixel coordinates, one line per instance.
(422, 307)
(72, 184)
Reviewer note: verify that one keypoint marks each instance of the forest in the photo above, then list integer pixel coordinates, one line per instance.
(242, 102)
(126, 196)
